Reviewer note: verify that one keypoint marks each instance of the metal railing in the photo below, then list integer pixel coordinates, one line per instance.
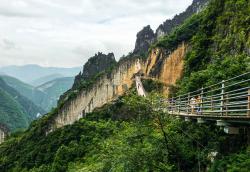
(227, 98)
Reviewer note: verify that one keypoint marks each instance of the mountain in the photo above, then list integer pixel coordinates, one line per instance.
(30, 73)
(45, 95)
(53, 90)
(16, 110)
(170, 24)
(33, 94)
(102, 125)
(95, 65)
(147, 36)
(45, 79)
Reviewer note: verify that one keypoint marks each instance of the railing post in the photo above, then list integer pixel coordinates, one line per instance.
(222, 97)
(179, 104)
(174, 102)
(188, 104)
(201, 103)
(248, 103)
(172, 105)
(212, 103)
(226, 107)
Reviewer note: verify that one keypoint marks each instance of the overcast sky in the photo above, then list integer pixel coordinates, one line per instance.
(66, 33)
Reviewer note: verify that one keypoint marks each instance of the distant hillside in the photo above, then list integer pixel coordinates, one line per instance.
(45, 79)
(53, 90)
(30, 73)
(25, 89)
(16, 110)
(45, 95)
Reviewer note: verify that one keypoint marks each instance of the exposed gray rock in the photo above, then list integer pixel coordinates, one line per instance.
(96, 64)
(144, 39)
(100, 62)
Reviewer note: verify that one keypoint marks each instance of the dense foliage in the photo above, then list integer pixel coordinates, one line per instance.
(131, 134)
(220, 48)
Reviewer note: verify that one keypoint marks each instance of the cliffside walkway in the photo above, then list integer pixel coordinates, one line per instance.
(226, 102)
(139, 86)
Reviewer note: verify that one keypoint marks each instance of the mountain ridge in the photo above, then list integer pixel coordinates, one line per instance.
(147, 36)
(29, 73)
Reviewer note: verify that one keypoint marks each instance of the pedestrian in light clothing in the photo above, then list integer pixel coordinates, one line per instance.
(192, 104)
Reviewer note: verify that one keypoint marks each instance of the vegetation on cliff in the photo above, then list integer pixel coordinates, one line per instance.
(219, 40)
(94, 69)
(131, 134)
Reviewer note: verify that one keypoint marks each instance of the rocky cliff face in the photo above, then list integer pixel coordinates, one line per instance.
(166, 66)
(144, 39)
(104, 90)
(161, 65)
(100, 62)
(96, 64)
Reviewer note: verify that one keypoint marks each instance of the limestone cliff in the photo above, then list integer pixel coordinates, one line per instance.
(161, 65)
(96, 64)
(166, 66)
(107, 88)
(144, 39)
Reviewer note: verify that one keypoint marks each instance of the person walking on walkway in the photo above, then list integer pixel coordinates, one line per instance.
(198, 105)
(192, 104)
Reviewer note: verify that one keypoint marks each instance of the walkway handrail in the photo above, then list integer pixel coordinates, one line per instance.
(229, 97)
(217, 84)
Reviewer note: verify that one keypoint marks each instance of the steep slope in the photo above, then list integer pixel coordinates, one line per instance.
(29, 73)
(16, 110)
(12, 114)
(30, 92)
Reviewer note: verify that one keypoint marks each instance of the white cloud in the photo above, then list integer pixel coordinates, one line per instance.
(67, 33)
